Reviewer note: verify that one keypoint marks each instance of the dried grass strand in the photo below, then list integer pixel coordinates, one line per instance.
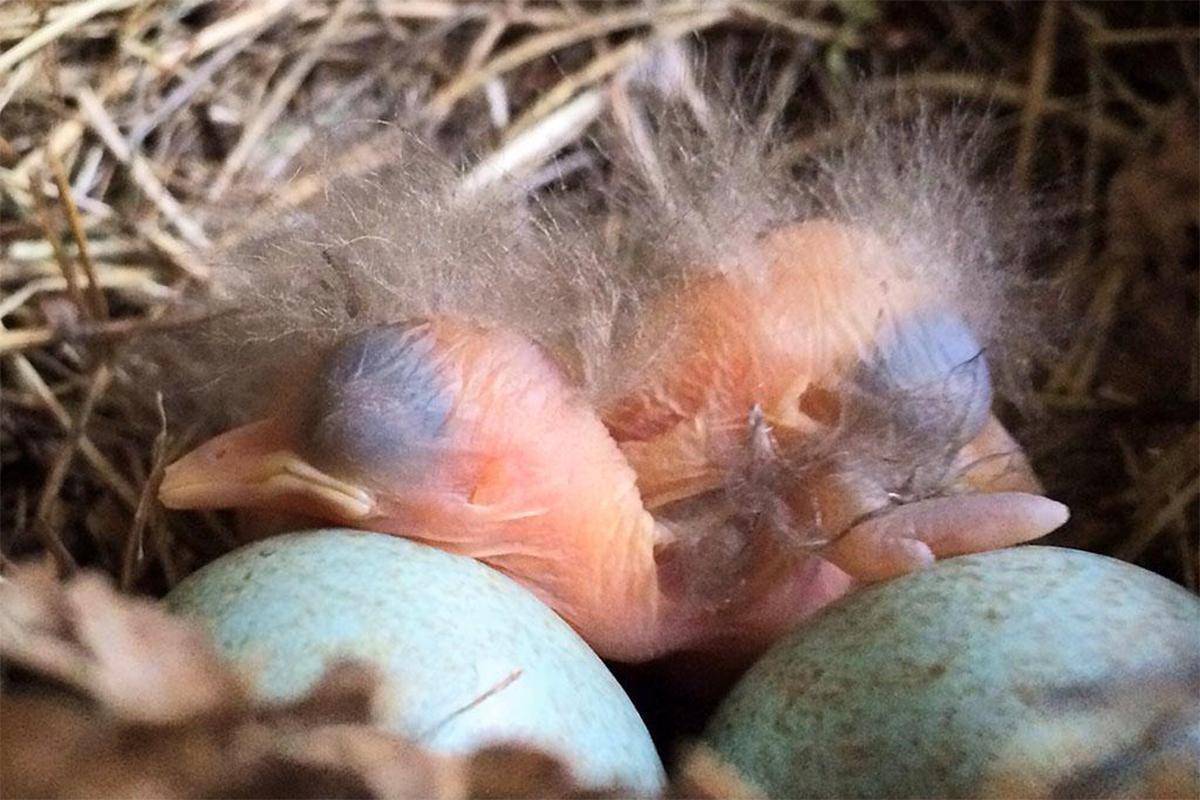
(805, 28)
(104, 469)
(16, 81)
(71, 17)
(97, 305)
(139, 170)
(608, 63)
(57, 474)
(530, 149)
(50, 230)
(134, 551)
(278, 99)
(1108, 37)
(545, 43)
(250, 22)
(1040, 72)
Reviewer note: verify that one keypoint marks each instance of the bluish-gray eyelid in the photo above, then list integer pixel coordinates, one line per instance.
(380, 402)
(925, 347)
(933, 356)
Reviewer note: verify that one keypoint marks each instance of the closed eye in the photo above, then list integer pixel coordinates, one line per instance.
(379, 400)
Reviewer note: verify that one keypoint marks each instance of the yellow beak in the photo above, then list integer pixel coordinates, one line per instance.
(254, 467)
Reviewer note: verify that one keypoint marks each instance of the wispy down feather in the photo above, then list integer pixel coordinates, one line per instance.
(696, 194)
(400, 240)
(393, 241)
(753, 377)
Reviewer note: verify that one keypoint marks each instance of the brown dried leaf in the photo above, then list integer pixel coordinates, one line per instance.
(390, 767)
(704, 775)
(1133, 735)
(151, 711)
(147, 666)
(126, 653)
(34, 626)
(512, 771)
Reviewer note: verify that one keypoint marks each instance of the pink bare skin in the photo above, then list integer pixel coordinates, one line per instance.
(628, 520)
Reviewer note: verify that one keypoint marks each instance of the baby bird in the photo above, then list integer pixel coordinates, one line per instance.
(781, 417)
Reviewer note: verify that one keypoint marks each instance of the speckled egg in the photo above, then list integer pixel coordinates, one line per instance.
(469, 656)
(1033, 671)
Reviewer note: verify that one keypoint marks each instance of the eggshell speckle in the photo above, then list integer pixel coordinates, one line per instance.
(1029, 671)
(445, 631)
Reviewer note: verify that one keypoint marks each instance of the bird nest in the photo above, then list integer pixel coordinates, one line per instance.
(127, 129)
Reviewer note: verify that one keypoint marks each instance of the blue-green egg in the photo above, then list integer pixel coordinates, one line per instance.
(470, 658)
(1032, 671)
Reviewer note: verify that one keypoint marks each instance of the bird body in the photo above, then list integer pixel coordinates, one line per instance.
(785, 422)
(488, 454)
(740, 343)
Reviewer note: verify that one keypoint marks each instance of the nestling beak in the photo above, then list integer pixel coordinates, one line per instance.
(254, 466)
(995, 500)
(908, 537)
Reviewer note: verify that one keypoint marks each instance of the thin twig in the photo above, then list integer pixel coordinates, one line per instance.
(68, 20)
(16, 341)
(98, 305)
(1133, 547)
(1075, 372)
(101, 377)
(1041, 70)
(278, 99)
(544, 44)
(141, 172)
(134, 551)
(104, 469)
(1091, 155)
(50, 229)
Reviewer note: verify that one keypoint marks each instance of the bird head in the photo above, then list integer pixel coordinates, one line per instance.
(374, 412)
